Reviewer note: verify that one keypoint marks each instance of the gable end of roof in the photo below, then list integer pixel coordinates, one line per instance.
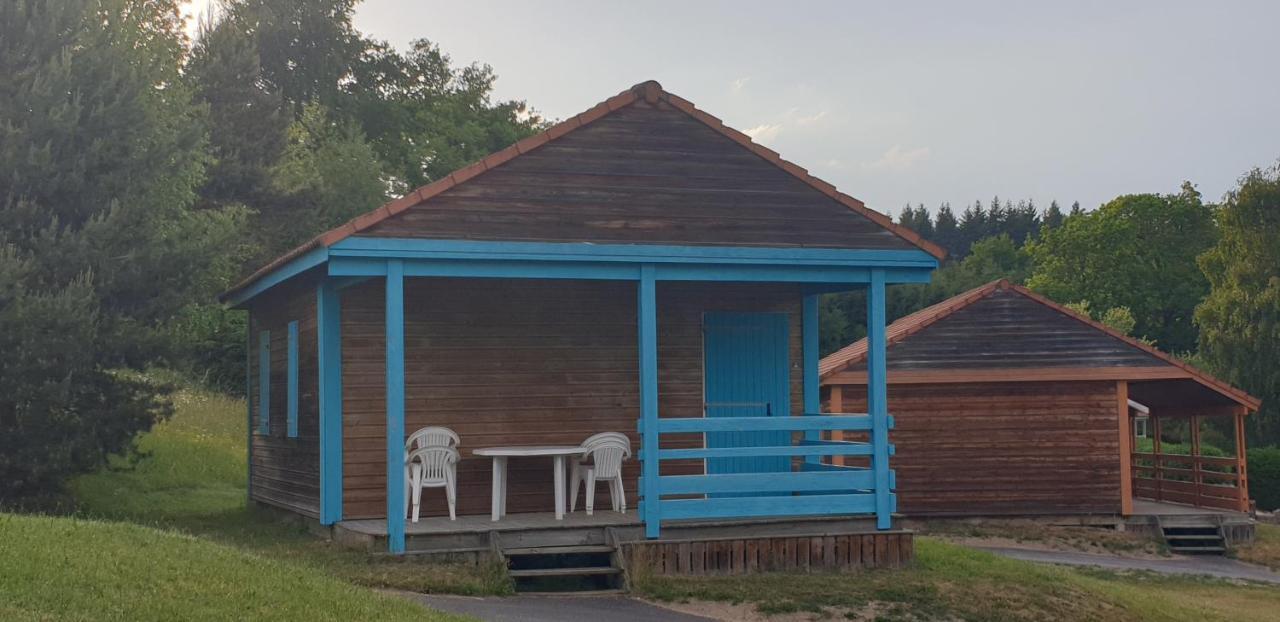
(649, 91)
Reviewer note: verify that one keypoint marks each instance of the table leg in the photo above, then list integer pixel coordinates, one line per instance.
(559, 477)
(502, 499)
(495, 501)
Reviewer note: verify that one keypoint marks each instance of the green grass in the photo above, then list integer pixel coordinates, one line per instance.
(76, 569)
(170, 537)
(1265, 549)
(952, 582)
(192, 481)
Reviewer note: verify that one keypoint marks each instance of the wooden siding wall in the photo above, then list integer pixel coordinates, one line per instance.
(511, 362)
(285, 471)
(1006, 330)
(739, 556)
(618, 179)
(988, 449)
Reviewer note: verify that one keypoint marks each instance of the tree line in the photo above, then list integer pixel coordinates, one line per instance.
(1197, 279)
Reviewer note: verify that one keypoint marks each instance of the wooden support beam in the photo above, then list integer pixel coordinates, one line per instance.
(1156, 460)
(877, 397)
(647, 317)
(835, 404)
(1126, 448)
(1195, 454)
(329, 364)
(809, 365)
(1242, 464)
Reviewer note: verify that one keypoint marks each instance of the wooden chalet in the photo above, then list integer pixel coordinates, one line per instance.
(1005, 403)
(639, 268)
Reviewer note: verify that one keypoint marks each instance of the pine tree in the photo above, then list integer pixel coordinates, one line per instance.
(1053, 216)
(102, 150)
(247, 124)
(945, 230)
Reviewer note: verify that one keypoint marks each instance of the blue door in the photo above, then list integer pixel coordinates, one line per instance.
(746, 372)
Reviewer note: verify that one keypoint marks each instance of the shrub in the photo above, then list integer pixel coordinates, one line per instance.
(1264, 477)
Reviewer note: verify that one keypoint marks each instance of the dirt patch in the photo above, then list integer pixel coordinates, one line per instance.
(1033, 535)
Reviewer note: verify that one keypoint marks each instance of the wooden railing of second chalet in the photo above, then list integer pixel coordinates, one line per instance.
(819, 487)
(1202, 481)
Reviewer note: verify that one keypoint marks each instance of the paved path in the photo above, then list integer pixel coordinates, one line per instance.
(1200, 565)
(553, 608)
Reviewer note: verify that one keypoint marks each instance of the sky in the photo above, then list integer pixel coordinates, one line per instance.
(919, 102)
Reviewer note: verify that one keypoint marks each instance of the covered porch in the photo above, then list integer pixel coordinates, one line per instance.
(1172, 463)
(696, 461)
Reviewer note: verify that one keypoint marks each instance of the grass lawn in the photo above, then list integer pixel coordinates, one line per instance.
(1015, 532)
(1265, 550)
(192, 481)
(952, 582)
(179, 518)
(75, 569)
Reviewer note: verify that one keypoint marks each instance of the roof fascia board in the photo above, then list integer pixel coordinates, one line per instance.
(417, 248)
(293, 268)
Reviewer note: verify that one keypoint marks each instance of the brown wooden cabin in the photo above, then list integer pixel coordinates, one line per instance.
(1005, 403)
(568, 285)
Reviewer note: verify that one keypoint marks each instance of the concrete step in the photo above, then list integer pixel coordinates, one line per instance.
(558, 550)
(1197, 549)
(564, 572)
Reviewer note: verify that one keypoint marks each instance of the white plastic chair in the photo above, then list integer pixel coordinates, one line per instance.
(430, 436)
(434, 467)
(602, 456)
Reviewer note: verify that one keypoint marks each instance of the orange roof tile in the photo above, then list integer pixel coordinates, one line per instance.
(650, 91)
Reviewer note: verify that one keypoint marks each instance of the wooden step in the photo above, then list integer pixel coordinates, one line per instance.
(608, 592)
(1198, 549)
(558, 550)
(563, 572)
(1192, 536)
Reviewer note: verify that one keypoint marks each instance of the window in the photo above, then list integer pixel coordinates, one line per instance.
(293, 380)
(264, 382)
(1140, 426)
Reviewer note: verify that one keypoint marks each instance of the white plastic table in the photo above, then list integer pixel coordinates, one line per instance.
(559, 455)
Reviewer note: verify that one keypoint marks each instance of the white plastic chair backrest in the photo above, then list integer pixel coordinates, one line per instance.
(607, 451)
(437, 463)
(431, 436)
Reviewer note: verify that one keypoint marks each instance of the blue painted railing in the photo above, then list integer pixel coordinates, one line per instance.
(817, 488)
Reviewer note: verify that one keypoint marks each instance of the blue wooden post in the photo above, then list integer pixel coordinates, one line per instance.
(395, 406)
(291, 382)
(877, 397)
(329, 362)
(809, 367)
(648, 329)
(264, 382)
(248, 402)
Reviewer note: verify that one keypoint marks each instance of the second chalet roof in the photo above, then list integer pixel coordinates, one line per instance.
(1000, 327)
(643, 167)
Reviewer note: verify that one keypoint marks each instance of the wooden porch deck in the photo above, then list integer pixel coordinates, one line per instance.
(477, 533)
(1148, 507)
(481, 523)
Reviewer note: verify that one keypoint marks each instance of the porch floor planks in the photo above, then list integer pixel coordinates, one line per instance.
(481, 523)
(1148, 507)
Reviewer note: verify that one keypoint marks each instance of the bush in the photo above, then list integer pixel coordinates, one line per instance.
(1264, 477)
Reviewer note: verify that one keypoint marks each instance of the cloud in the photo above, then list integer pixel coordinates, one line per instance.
(764, 132)
(813, 118)
(898, 159)
(739, 84)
